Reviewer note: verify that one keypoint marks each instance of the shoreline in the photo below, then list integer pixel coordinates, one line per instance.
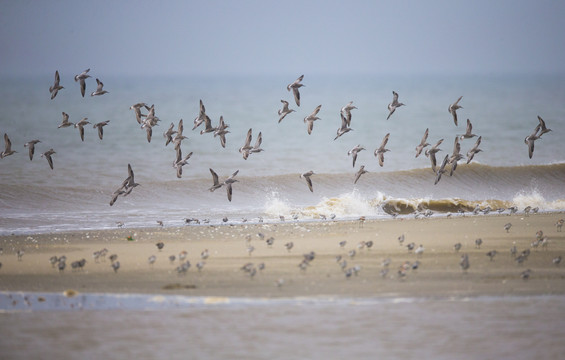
(438, 275)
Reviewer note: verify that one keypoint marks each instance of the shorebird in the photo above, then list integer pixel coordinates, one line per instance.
(469, 132)
(423, 143)
(311, 118)
(151, 260)
(221, 131)
(464, 262)
(394, 104)
(168, 135)
(245, 150)
(65, 122)
(180, 162)
(257, 147)
(54, 89)
(441, 169)
(47, 155)
(542, 127)
(126, 188)
(526, 274)
(137, 109)
(284, 111)
(116, 266)
(455, 156)
(7, 147)
(228, 183)
(559, 224)
(431, 153)
(557, 260)
(306, 176)
(507, 227)
(295, 86)
(99, 90)
(344, 128)
(81, 78)
(179, 137)
(453, 109)
(100, 126)
(346, 112)
(478, 243)
(31, 147)
(80, 125)
(530, 139)
(457, 247)
(475, 149)
(359, 173)
(216, 184)
(201, 116)
(205, 254)
(208, 128)
(491, 254)
(380, 151)
(160, 245)
(289, 245)
(419, 250)
(353, 152)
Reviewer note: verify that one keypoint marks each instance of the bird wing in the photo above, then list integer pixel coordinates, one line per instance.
(214, 177)
(82, 87)
(258, 141)
(296, 95)
(229, 191)
(309, 182)
(248, 138)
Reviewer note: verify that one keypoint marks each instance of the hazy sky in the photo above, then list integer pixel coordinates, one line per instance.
(273, 37)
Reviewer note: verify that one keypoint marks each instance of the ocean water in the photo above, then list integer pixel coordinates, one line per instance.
(76, 194)
(147, 327)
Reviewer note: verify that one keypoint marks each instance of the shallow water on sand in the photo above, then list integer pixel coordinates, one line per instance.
(318, 328)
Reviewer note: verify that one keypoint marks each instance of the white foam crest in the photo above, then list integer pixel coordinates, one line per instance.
(535, 199)
(276, 206)
(350, 204)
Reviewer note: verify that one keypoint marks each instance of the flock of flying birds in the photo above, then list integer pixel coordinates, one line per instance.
(149, 120)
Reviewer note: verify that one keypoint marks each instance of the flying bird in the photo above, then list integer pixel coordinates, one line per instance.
(100, 127)
(311, 118)
(137, 109)
(81, 78)
(423, 143)
(394, 104)
(469, 132)
(380, 151)
(344, 128)
(228, 183)
(306, 176)
(47, 155)
(31, 147)
(295, 86)
(284, 111)
(453, 109)
(475, 149)
(80, 125)
(65, 122)
(346, 112)
(359, 173)
(54, 89)
(99, 90)
(7, 147)
(431, 153)
(353, 152)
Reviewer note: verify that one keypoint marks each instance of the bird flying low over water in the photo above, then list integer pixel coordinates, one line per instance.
(7, 147)
(394, 104)
(306, 176)
(54, 89)
(65, 122)
(469, 131)
(99, 90)
(380, 151)
(228, 183)
(284, 111)
(346, 112)
(475, 149)
(80, 125)
(343, 129)
(453, 109)
(359, 173)
(137, 109)
(47, 155)
(353, 152)
(221, 131)
(311, 118)
(126, 188)
(530, 139)
(81, 78)
(100, 127)
(431, 153)
(247, 149)
(31, 147)
(423, 143)
(295, 86)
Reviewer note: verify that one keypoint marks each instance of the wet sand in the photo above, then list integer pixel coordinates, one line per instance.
(438, 275)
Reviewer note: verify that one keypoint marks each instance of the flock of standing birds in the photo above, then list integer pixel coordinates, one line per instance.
(149, 120)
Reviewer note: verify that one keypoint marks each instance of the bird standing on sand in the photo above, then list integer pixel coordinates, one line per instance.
(311, 118)
(295, 86)
(7, 147)
(31, 147)
(81, 78)
(47, 155)
(54, 89)
(380, 151)
(453, 109)
(478, 243)
(306, 176)
(284, 111)
(464, 262)
(353, 152)
(394, 104)
(507, 227)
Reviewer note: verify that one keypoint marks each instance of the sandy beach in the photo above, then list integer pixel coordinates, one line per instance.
(438, 275)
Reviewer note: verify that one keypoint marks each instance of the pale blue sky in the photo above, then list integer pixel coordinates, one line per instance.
(282, 37)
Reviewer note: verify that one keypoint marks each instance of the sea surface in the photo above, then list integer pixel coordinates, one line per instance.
(76, 194)
(94, 326)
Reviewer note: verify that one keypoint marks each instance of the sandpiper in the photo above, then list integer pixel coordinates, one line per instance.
(394, 104)
(359, 173)
(284, 111)
(65, 122)
(306, 176)
(7, 147)
(423, 143)
(295, 86)
(99, 90)
(469, 131)
(380, 151)
(353, 152)
(47, 155)
(100, 127)
(311, 118)
(452, 109)
(31, 147)
(81, 79)
(80, 125)
(54, 89)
